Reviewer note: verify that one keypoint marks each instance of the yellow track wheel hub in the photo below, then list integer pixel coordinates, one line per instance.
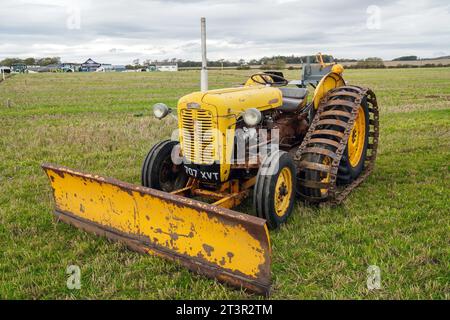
(283, 192)
(357, 138)
(326, 177)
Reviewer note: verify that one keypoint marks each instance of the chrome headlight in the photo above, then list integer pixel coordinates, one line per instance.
(160, 110)
(252, 117)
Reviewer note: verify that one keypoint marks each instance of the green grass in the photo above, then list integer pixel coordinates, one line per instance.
(102, 123)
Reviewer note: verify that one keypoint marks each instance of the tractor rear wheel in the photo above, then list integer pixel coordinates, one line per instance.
(159, 171)
(354, 156)
(274, 192)
(339, 150)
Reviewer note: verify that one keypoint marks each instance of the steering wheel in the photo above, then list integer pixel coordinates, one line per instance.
(279, 81)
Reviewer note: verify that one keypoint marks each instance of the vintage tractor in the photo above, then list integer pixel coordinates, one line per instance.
(265, 138)
(262, 139)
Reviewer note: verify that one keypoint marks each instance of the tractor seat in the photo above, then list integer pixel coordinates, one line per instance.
(292, 98)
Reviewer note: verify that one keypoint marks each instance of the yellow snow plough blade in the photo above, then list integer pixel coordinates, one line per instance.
(220, 243)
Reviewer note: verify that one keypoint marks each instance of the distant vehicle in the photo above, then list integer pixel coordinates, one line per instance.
(19, 68)
(69, 67)
(111, 68)
(5, 69)
(119, 68)
(162, 67)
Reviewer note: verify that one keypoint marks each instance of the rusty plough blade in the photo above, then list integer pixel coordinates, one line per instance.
(227, 245)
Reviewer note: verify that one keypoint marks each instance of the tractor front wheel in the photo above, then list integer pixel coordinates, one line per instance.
(159, 171)
(274, 192)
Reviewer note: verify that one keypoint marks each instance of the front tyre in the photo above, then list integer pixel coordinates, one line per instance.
(274, 192)
(158, 170)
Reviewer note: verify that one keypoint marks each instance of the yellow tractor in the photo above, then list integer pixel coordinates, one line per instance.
(262, 140)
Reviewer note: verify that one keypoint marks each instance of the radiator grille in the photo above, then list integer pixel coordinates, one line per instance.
(198, 136)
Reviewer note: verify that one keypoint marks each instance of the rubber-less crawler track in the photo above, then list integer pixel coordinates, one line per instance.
(322, 149)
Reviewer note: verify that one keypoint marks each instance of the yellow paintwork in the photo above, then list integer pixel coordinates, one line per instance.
(326, 176)
(282, 200)
(176, 227)
(231, 102)
(337, 68)
(227, 105)
(319, 58)
(251, 82)
(328, 82)
(198, 135)
(357, 138)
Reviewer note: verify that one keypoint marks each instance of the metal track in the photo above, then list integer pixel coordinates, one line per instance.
(327, 137)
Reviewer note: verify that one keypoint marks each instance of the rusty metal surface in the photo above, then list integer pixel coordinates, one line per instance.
(349, 98)
(322, 151)
(325, 141)
(127, 214)
(313, 184)
(292, 128)
(227, 195)
(314, 166)
(339, 123)
(144, 248)
(327, 132)
(336, 113)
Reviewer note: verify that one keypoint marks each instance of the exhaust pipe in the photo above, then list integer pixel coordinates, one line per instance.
(204, 71)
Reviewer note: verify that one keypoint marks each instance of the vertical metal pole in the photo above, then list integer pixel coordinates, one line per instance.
(3, 74)
(204, 71)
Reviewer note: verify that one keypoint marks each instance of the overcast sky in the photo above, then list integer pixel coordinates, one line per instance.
(122, 30)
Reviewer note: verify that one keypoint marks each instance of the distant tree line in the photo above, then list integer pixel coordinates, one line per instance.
(425, 65)
(265, 63)
(406, 58)
(369, 63)
(275, 62)
(294, 59)
(31, 61)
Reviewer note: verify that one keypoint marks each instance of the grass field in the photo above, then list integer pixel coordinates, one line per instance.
(102, 123)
